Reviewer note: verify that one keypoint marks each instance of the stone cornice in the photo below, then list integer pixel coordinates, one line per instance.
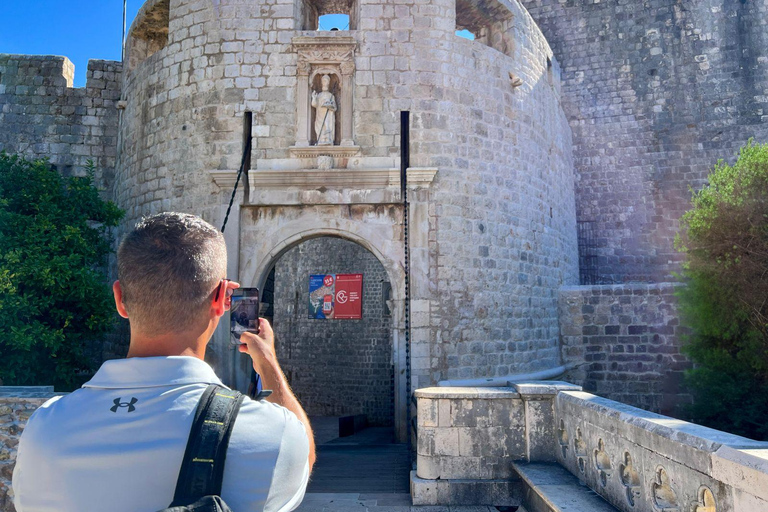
(301, 42)
(315, 151)
(418, 177)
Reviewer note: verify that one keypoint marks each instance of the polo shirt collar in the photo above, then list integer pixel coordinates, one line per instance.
(148, 372)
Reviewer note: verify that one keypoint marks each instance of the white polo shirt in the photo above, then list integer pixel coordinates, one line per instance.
(116, 444)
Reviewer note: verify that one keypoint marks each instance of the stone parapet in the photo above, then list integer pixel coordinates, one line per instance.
(469, 438)
(646, 462)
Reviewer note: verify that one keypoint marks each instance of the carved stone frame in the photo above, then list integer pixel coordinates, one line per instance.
(328, 54)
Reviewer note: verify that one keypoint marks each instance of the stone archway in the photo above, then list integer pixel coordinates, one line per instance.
(335, 367)
(263, 242)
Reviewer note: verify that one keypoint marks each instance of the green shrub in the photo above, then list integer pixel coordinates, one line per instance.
(725, 239)
(54, 298)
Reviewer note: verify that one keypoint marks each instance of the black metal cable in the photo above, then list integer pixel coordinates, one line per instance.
(237, 181)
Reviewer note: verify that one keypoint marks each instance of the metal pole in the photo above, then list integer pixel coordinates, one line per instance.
(125, 9)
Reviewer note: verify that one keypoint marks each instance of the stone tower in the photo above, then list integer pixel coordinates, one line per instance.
(492, 219)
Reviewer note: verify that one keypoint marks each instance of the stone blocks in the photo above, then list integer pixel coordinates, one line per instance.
(469, 433)
(314, 352)
(652, 108)
(42, 115)
(623, 343)
(467, 439)
(635, 459)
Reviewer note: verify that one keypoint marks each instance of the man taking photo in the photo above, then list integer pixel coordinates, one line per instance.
(117, 443)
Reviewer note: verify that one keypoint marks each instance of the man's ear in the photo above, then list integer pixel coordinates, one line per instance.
(117, 291)
(218, 304)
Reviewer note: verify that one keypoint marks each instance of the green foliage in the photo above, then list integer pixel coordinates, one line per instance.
(54, 299)
(725, 239)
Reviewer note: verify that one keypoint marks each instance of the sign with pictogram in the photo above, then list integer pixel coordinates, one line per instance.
(336, 296)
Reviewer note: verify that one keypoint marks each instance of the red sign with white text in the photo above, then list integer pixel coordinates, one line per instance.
(349, 296)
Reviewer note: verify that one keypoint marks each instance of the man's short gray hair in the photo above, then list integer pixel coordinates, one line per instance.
(168, 268)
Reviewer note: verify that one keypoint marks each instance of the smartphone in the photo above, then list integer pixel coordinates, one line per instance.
(243, 313)
(264, 393)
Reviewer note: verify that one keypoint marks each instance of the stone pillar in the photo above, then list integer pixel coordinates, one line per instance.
(302, 102)
(347, 88)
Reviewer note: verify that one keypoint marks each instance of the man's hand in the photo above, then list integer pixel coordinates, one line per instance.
(261, 346)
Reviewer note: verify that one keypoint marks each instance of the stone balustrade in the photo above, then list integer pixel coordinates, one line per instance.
(470, 438)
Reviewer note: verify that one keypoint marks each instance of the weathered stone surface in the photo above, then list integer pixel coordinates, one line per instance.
(550, 488)
(465, 492)
(674, 460)
(623, 343)
(656, 92)
(42, 115)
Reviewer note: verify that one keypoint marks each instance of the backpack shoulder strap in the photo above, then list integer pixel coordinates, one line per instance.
(202, 468)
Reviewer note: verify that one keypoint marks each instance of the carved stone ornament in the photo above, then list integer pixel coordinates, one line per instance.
(303, 67)
(580, 450)
(326, 56)
(664, 497)
(630, 479)
(602, 463)
(706, 501)
(347, 68)
(562, 438)
(324, 104)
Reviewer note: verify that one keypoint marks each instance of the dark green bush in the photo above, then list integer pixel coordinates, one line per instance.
(725, 302)
(54, 298)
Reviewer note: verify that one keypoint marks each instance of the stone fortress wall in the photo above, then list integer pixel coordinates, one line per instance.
(41, 114)
(623, 341)
(656, 92)
(494, 233)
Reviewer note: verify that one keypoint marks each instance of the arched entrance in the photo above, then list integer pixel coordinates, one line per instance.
(336, 367)
(341, 368)
(268, 233)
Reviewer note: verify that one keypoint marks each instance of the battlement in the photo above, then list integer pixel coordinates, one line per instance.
(42, 114)
(30, 72)
(36, 70)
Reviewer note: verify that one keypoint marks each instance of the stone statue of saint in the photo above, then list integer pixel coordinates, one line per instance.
(325, 113)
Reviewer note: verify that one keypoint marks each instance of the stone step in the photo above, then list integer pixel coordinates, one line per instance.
(548, 487)
(492, 493)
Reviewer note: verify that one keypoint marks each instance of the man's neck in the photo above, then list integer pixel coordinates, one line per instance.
(176, 344)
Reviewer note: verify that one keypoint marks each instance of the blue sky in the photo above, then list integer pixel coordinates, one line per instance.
(78, 29)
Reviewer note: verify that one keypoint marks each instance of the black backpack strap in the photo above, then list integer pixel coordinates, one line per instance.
(202, 469)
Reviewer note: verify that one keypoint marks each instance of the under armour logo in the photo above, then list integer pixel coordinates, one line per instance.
(129, 405)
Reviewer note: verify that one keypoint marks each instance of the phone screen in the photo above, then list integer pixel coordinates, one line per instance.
(244, 313)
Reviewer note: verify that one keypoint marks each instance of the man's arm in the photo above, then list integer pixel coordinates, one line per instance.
(261, 348)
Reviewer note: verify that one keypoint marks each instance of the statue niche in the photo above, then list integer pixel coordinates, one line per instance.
(325, 83)
(325, 121)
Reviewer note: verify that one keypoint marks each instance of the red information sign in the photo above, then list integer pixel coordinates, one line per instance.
(349, 296)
